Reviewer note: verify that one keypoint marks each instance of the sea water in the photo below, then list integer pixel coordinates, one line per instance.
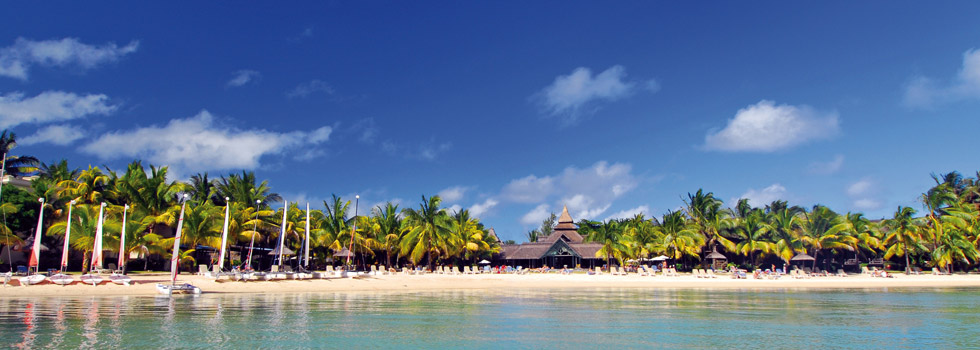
(498, 319)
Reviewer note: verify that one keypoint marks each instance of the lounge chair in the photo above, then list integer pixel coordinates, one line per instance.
(840, 273)
(202, 270)
(937, 272)
(711, 273)
(374, 270)
(865, 271)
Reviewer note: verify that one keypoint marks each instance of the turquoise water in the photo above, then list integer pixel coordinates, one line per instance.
(607, 318)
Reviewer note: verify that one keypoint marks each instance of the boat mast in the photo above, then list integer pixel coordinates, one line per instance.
(306, 242)
(36, 250)
(3, 173)
(122, 242)
(282, 231)
(350, 251)
(64, 249)
(255, 226)
(224, 236)
(97, 248)
(175, 256)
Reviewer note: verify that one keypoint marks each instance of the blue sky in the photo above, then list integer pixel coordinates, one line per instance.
(509, 109)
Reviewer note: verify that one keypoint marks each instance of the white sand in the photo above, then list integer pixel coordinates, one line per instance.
(145, 284)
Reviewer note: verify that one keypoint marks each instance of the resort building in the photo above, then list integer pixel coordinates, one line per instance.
(564, 247)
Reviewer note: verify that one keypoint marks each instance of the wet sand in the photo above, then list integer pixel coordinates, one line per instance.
(146, 284)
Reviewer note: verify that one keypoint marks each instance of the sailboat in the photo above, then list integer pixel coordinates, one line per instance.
(169, 289)
(35, 278)
(119, 276)
(224, 241)
(304, 273)
(92, 277)
(61, 277)
(278, 273)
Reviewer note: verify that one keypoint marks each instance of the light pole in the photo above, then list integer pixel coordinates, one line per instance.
(350, 251)
(255, 225)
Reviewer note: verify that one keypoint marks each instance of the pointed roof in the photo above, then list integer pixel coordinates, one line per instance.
(565, 217)
(493, 234)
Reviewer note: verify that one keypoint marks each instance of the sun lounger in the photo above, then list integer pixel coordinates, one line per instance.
(202, 270)
(711, 273)
(936, 271)
(865, 271)
(840, 273)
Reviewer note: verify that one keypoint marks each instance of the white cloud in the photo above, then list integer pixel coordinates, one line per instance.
(766, 127)
(536, 215)
(243, 77)
(198, 144)
(430, 151)
(859, 188)
(50, 106)
(864, 194)
(309, 88)
(529, 189)
(61, 135)
(629, 213)
(926, 92)
(569, 95)
(452, 194)
(826, 168)
(588, 192)
(760, 198)
(17, 59)
(455, 208)
(479, 209)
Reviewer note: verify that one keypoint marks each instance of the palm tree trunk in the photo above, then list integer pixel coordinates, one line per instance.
(908, 269)
(85, 258)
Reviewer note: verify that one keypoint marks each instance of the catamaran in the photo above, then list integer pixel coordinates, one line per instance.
(93, 277)
(119, 276)
(33, 277)
(61, 277)
(304, 273)
(169, 289)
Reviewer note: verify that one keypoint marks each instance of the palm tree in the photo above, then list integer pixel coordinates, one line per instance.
(903, 234)
(610, 235)
(243, 188)
(16, 165)
(466, 235)
(202, 188)
(751, 234)
(84, 221)
(785, 229)
(334, 224)
(89, 187)
(428, 231)
(867, 237)
(641, 236)
(818, 235)
(679, 238)
(709, 219)
(387, 228)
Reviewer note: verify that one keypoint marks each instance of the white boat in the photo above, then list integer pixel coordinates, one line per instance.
(170, 289)
(92, 279)
(62, 279)
(32, 279)
(119, 278)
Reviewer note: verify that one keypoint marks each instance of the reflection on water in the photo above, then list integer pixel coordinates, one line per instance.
(493, 319)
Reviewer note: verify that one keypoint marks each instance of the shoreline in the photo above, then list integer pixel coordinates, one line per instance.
(145, 285)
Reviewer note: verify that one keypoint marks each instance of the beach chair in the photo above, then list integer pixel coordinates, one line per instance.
(382, 270)
(374, 270)
(840, 273)
(711, 273)
(936, 272)
(202, 269)
(865, 271)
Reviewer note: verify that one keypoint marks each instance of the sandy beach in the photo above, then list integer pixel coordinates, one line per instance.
(145, 284)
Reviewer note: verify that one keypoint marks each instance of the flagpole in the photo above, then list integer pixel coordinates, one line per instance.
(350, 251)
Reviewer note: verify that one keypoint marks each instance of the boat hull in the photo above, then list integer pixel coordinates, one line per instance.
(171, 289)
(32, 279)
(91, 279)
(121, 279)
(62, 279)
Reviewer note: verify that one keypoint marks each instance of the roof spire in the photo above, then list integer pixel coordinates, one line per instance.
(564, 215)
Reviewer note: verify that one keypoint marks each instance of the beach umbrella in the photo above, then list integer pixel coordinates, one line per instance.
(343, 253)
(285, 251)
(802, 257)
(660, 258)
(483, 262)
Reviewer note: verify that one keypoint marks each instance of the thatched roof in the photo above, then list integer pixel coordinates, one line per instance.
(802, 257)
(565, 217)
(286, 251)
(343, 253)
(493, 234)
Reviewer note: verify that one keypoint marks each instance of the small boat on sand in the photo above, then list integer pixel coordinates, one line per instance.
(62, 279)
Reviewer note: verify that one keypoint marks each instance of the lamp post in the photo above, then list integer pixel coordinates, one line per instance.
(350, 251)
